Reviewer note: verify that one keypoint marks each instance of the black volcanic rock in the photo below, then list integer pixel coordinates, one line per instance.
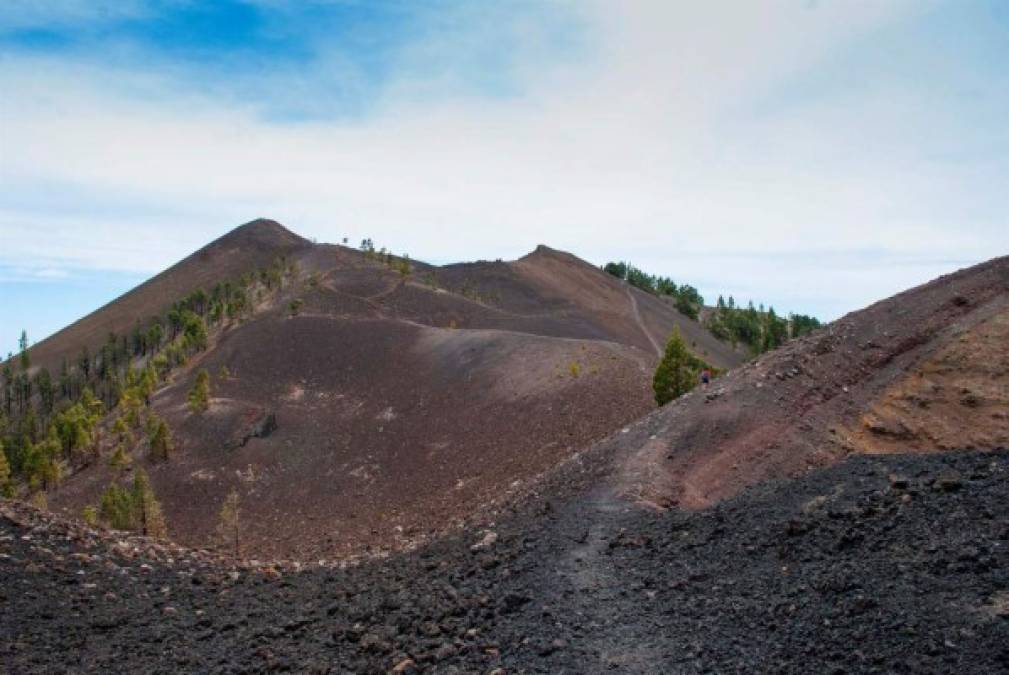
(872, 579)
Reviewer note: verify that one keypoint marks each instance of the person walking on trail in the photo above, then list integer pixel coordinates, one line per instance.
(705, 376)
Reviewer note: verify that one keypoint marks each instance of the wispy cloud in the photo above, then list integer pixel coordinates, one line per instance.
(664, 133)
(21, 15)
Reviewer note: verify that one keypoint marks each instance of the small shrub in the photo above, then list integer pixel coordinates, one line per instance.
(90, 515)
(228, 526)
(574, 369)
(39, 501)
(120, 459)
(295, 306)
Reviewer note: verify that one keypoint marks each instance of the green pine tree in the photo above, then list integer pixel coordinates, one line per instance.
(677, 372)
(5, 473)
(199, 396)
(159, 437)
(26, 361)
(147, 514)
(116, 508)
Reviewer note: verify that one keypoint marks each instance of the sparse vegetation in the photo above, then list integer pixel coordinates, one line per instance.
(120, 459)
(121, 375)
(469, 290)
(199, 395)
(396, 263)
(229, 526)
(136, 508)
(90, 515)
(295, 306)
(39, 501)
(575, 369)
(5, 472)
(403, 266)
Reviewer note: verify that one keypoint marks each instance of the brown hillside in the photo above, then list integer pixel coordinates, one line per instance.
(402, 405)
(245, 248)
(581, 301)
(925, 370)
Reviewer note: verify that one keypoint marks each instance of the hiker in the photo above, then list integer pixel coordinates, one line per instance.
(705, 376)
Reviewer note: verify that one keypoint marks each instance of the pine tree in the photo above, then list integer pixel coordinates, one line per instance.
(199, 397)
(116, 508)
(159, 437)
(120, 459)
(5, 472)
(26, 361)
(147, 513)
(677, 372)
(228, 527)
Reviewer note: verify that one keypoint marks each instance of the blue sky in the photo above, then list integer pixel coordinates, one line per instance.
(812, 155)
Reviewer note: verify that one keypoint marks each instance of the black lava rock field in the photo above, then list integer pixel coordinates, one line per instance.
(894, 564)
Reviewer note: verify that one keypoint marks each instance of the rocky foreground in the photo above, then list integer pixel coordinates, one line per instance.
(879, 564)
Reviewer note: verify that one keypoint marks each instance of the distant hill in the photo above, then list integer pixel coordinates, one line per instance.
(361, 408)
(245, 248)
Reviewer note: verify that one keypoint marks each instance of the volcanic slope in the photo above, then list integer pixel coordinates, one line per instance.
(244, 249)
(391, 407)
(925, 370)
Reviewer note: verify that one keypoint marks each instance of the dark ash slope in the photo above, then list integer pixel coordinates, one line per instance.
(878, 564)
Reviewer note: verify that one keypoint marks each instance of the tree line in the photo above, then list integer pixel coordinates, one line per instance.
(685, 298)
(759, 329)
(49, 425)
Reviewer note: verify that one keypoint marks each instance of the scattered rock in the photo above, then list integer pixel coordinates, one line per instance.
(488, 540)
(898, 482)
(948, 481)
(405, 667)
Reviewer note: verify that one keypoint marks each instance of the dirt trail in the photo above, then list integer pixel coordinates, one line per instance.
(641, 322)
(587, 584)
(386, 292)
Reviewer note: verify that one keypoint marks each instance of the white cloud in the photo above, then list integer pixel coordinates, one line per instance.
(648, 149)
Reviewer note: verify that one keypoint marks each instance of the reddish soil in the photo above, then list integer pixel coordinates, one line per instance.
(925, 370)
(403, 405)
